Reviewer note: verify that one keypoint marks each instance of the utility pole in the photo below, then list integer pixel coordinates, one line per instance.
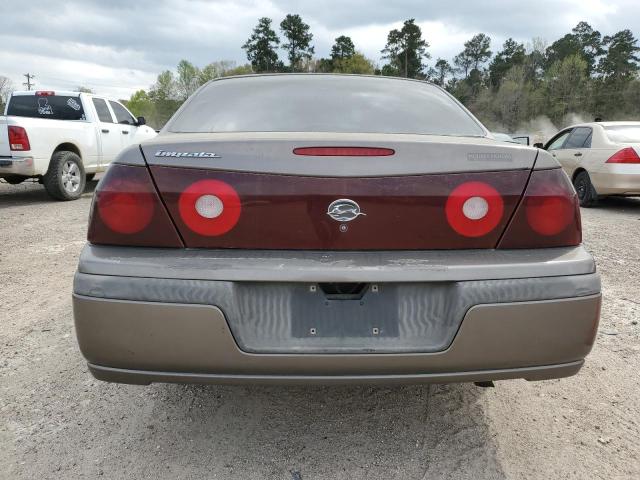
(28, 83)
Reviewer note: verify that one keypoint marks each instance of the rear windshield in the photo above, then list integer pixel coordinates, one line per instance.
(55, 107)
(324, 103)
(623, 133)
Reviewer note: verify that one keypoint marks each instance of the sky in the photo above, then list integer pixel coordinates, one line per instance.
(116, 47)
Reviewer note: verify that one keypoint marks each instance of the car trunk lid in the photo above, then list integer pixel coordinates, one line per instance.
(268, 197)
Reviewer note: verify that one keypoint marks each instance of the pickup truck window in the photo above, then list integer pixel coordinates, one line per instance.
(104, 115)
(54, 107)
(122, 116)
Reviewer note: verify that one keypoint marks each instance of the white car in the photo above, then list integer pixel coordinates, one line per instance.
(64, 138)
(601, 158)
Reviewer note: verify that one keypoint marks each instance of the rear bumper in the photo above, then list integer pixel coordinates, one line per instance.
(618, 180)
(143, 377)
(137, 323)
(21, 166)
(144, 342)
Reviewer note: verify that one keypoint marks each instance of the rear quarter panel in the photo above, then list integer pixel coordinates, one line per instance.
(603, 175)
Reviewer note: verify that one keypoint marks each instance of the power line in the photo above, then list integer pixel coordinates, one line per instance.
(28, 83)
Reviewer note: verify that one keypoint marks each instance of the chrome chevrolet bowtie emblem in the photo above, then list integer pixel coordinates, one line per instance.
(344, 210)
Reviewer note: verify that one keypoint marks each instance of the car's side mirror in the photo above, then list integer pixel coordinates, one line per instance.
(141, 121)
(539, 145)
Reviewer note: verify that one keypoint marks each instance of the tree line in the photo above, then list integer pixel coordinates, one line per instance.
(582, 73)
(261, 48)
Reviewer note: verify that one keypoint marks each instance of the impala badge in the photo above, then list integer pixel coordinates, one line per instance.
(344, 210)
(163, 153)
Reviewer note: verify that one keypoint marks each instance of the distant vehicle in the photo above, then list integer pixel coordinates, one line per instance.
(522, 139)
(502, 137)
(601, 158)
(505, 137)
(64, 138)
(366, 229)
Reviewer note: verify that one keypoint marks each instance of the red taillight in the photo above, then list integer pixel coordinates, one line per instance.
(548, 216)
(549, 212)
(209, 207)
(18, 138)
(344, 151)
(474, 209)
(45, 93)
(626, 155)
(127, 211)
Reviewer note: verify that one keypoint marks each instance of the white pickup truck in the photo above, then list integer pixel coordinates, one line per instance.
(64, 138)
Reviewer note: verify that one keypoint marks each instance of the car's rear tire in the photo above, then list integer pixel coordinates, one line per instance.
(65, 179)
(587, 194)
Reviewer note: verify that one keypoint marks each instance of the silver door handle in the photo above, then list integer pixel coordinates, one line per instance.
(577, 154)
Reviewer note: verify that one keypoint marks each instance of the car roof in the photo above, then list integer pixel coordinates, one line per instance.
(318, 74)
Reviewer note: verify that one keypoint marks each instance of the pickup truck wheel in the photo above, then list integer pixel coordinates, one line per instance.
(587, 195)
(65, 179)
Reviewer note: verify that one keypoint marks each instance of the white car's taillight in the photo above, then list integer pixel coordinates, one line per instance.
(626, 155)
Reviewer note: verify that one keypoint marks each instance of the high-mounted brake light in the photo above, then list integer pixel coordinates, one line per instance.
(474, 209)
(548, 216)
(45, 93)
(344, 151)
(127, 210)
(626, 155)
(18, 139)
(209, 207)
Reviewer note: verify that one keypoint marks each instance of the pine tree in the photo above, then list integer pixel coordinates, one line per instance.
(261, 47)
(299, 38)
(343, 48)
(405, 50)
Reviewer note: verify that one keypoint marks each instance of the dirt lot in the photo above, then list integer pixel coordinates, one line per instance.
(57, 422)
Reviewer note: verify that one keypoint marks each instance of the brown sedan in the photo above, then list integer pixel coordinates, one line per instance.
(326, 228)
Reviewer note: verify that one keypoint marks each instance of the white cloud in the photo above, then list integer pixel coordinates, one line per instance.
(119, 46)
(60, 73)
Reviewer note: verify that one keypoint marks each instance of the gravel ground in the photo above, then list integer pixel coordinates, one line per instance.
(56, 421)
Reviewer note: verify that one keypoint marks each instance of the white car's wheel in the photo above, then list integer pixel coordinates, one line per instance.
(586, 193)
